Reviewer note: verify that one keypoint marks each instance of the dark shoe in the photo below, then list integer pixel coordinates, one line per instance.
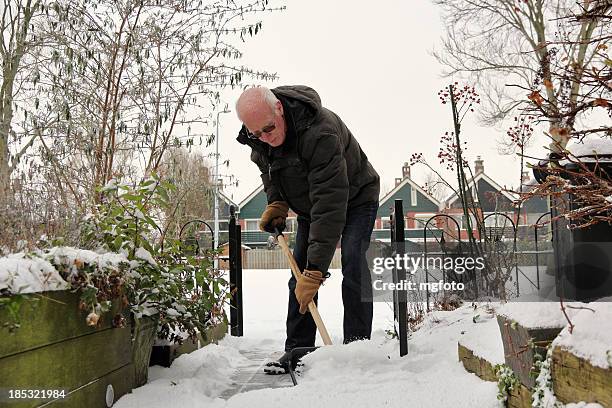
(275, 368)
(281, 366)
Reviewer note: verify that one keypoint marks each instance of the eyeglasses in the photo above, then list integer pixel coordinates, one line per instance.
(256, 135)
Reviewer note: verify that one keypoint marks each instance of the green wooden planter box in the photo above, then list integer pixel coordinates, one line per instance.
(165, 355)
(213, 334)
(54, 349)
(145, 331)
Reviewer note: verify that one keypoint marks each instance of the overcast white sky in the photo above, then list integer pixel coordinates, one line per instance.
(371, 63)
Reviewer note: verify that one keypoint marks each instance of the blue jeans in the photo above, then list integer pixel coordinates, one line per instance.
(356, 281)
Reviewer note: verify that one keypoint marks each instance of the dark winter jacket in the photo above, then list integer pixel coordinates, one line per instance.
(319, 170)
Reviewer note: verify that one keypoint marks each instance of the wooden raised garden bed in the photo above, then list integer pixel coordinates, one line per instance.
(165, 355)
(145, 331)
(520, 397)
(521, 344)
(576, 379)
(474, 364)
(54, 349)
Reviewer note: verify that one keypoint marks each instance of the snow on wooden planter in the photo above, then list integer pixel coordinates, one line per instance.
(526, 330)
(581, 366)
(480, 349)
(55, 349)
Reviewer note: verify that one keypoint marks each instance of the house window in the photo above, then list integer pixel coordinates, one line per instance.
(452, 225)
(497, 220)
(413, 196)
(385, 222)
(252, 225)
(464, 224)
(421, 220)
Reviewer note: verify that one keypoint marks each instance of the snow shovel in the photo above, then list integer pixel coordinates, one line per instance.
(299, 352)
(312, 308)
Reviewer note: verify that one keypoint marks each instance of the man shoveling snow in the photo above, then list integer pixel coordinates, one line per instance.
(311, 163)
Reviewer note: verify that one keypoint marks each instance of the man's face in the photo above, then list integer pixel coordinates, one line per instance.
(268, 125)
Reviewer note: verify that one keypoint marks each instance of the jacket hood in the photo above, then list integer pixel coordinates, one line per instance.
(302, 93)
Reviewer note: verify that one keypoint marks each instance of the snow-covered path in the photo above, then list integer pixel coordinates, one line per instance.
(361, 374)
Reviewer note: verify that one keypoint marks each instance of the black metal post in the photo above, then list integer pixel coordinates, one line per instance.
(537, 258)
(537, 250)
(399, 275)
(235, 265)
(393, 271)
(239, 280)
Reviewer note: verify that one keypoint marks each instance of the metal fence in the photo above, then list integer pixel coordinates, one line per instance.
(498, 243)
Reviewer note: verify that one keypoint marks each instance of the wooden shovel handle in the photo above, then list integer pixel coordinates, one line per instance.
(311, 306)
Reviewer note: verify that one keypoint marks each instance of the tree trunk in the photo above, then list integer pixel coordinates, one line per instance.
(5, 176)
(11, 58)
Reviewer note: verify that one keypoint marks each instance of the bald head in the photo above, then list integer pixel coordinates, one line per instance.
(255, 101)
(262, 114)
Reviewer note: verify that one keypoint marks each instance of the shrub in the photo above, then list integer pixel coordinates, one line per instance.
(165, 278)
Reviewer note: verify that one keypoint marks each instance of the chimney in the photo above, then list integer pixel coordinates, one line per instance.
(405, 170)
(397, 181)
(478, 165)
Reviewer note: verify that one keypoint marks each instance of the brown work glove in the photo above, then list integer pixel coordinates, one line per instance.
(308, 284)
(274, 216)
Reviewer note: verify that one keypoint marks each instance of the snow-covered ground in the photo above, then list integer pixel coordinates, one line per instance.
(361, 374)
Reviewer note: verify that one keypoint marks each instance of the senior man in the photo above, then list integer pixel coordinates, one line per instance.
(310, 162)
